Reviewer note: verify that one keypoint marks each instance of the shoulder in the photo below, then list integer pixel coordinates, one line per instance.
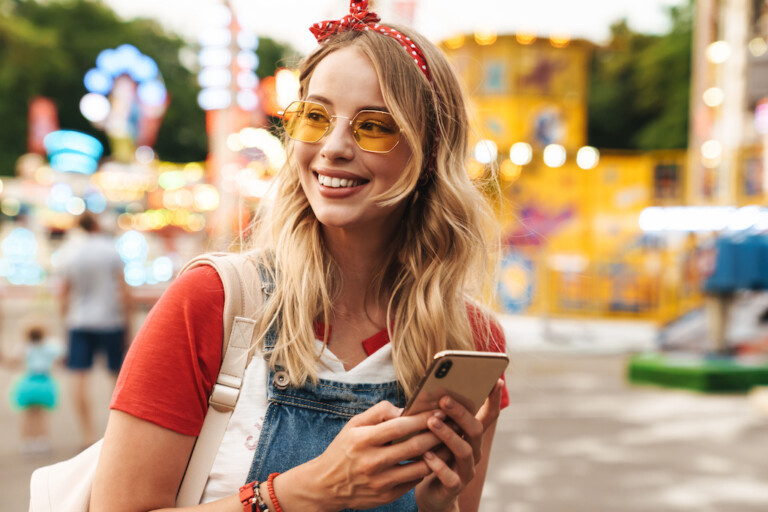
(202, 278)
(192, 303)
(197, 294)
(173, 361)
(487, 331)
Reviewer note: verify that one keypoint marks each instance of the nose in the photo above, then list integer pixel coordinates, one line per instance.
(339, 142)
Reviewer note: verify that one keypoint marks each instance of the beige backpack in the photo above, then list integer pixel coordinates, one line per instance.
(66, 486)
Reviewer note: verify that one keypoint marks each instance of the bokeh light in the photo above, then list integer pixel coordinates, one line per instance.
(485, 36)
(713, 97)
(95, 107)
(509, 171)
(521, 153)
(475, 169)
(286, 86)
(560, 40)
(525, 38)
(455, 42)
(587, 157)
(486, 151)
(144, 155)
(711, 149)
(554, 155)
(757, 46)
(18, 264)
(718, 52)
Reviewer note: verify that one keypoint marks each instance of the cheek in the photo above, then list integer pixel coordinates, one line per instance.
(303, 154)
(401, 157)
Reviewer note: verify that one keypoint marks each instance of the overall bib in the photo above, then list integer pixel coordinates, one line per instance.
(300, 423)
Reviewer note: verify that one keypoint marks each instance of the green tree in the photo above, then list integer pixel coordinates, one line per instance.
(46, 48)
(639, 87)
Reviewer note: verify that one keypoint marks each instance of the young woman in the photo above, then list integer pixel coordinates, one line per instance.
(372, 254)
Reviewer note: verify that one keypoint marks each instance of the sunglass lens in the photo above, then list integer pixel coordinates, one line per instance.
(305, 121)
(375, 131)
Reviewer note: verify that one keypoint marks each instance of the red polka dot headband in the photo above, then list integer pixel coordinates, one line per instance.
(360, 18)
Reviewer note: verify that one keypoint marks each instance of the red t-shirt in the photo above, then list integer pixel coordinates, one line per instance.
(173, 362)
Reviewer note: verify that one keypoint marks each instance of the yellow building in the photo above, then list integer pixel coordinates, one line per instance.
(573, 245)
(533, 91)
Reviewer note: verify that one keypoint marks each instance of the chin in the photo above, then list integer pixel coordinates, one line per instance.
(334, 222)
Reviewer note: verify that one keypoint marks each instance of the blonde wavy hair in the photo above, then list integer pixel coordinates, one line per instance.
(439, 264)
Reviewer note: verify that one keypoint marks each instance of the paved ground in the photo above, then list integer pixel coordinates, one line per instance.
(575, 438)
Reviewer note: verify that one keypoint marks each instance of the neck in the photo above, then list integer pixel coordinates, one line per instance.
(359, 256)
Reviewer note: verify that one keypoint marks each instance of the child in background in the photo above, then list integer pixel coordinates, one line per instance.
(35, 393)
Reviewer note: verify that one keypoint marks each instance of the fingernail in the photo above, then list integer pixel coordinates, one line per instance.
(429, 455)
(439, 415)
(437, 424)
(448, 402)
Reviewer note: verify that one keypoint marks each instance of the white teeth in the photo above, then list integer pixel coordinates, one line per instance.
(328, 181)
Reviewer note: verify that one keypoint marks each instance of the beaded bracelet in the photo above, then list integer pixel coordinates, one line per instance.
(246, 495)
(271, 491)
(258, 502)
(250, 497)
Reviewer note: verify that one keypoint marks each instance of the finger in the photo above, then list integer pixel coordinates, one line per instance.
(407, 474)
(410, 449)
(401, 489)
(463, 452)
(449, 478)
(379, 413)
(490, 409)
(400, 427)
(444, 453)
(470, 426)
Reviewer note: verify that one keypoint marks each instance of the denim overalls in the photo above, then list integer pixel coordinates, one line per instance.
(300, 423)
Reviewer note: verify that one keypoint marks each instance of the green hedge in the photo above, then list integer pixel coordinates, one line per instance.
(696, 373)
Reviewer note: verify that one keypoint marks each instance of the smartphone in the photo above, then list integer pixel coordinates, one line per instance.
(465, 375)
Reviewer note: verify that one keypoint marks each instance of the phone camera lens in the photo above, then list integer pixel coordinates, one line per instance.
(442, 370)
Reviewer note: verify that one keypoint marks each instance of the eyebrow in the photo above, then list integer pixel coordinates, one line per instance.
(325, 101)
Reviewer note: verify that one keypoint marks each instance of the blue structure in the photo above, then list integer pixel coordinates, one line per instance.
(71, 151)
(741, 264)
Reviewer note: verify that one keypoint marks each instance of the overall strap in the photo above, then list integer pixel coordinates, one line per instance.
(242, 306)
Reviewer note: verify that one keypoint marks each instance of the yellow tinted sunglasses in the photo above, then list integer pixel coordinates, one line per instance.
(373, 130)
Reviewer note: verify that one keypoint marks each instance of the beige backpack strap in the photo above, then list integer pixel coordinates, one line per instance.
(242, 305)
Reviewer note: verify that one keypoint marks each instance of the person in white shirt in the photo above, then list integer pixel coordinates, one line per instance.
(94, 304)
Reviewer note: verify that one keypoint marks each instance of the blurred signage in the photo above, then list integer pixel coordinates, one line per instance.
(126, 98)
(71, 151)
(704, 218)
(228, 63)
(43, 119)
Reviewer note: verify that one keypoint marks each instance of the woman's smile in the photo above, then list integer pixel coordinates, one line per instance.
(336, 182)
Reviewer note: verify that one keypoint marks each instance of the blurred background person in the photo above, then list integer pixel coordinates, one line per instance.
(35, 392)
(95, 308)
